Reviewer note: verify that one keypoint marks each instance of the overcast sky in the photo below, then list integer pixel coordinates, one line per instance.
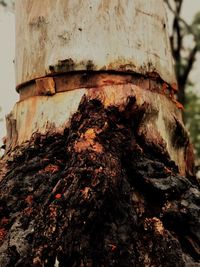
(8, 96)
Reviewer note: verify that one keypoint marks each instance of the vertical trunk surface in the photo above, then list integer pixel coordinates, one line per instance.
(98, 169)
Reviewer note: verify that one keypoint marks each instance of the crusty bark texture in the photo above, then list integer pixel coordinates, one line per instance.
(97, 195)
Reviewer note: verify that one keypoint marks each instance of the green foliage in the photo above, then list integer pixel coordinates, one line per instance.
(195, 27)
(192, 115)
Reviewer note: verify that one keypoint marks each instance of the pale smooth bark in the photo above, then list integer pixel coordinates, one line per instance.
(54, 36)
(61, 37)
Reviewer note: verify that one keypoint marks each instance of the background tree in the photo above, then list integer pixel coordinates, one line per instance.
(192, 113)
(185, 54)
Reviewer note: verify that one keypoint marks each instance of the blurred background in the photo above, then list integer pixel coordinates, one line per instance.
(184, 29)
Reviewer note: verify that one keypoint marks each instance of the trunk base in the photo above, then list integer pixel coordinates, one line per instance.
(98, 195)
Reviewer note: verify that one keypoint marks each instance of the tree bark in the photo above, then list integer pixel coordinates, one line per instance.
(98, 195)
(98, 169)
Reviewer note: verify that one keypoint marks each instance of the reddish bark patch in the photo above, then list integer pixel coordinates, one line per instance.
(3, 233)
(87, 142)
(58, 196)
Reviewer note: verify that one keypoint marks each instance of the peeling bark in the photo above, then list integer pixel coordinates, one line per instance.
(98, 195)
(161, 123)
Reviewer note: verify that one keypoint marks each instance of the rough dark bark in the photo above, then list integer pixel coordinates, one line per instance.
(98, 195)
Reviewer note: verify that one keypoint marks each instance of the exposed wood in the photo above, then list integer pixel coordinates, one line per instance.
(52, 114)
(45, 86)
(77, 80)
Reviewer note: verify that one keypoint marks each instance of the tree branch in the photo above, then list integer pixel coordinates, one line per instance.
(179, 5)
(191, 59)
(177, 16)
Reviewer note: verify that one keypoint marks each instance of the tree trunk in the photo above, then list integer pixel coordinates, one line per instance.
(98, 169)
